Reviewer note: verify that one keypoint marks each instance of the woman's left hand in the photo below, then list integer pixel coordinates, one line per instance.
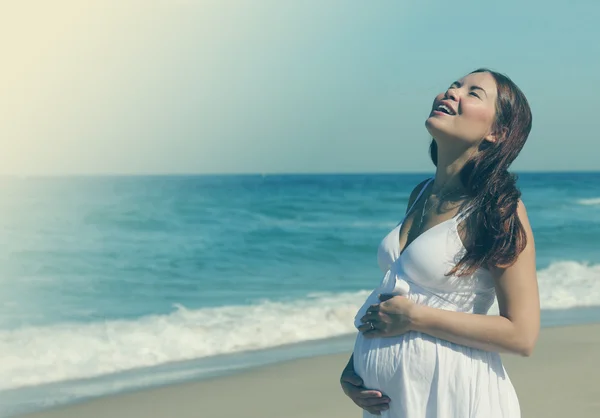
(390, 318)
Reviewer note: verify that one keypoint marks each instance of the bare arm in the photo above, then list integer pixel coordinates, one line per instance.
(515, 330)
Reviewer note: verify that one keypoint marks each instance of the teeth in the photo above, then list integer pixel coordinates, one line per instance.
(445, 108)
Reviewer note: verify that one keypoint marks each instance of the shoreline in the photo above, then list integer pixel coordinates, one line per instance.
(561, 377)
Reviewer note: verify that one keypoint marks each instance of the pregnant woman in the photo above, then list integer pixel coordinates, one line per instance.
(426, 345)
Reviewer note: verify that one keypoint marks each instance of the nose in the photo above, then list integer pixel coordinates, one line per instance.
(451, 93)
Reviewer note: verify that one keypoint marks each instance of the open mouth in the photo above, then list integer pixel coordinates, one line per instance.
(445, 109)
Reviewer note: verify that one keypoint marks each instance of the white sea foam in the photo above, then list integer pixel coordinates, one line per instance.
(36, 355)
(569, 284)
(589, 202)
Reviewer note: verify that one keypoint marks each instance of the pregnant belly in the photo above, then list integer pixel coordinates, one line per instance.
(429, 377)
(389, 364)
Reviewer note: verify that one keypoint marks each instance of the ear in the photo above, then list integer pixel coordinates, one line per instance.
(494, 137)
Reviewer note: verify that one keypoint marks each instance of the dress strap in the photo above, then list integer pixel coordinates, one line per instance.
(416, 200)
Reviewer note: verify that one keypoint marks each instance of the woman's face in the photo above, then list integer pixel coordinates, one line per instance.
(466, 111)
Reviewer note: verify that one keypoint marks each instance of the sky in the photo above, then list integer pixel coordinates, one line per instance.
(269, 86)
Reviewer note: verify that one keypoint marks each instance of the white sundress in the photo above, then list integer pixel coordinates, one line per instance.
(424, 376)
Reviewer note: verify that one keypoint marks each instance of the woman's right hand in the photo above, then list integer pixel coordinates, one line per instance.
(372, 401)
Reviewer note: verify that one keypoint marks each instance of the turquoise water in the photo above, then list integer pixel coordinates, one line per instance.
(107, 275)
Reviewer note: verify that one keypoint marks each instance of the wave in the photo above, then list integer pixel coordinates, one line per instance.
(589, 202)
(569, 284)
(37, 355)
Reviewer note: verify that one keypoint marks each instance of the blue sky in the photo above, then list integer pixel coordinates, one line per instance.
(190, 86)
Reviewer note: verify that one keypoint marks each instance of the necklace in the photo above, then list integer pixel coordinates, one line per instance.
(423, 211)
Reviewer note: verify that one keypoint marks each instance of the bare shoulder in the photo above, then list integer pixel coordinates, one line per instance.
(415, 192)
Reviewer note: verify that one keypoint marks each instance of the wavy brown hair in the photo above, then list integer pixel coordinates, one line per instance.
(495, 235)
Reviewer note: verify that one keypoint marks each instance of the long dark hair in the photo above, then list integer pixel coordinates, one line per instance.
(495, 236)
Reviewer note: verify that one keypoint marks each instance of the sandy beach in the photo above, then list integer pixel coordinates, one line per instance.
(561, 379)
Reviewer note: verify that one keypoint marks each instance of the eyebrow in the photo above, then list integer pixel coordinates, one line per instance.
(472, 87)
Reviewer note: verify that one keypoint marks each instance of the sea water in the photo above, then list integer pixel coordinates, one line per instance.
(114, 283)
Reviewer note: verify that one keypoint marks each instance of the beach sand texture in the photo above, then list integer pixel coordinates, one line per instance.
(561, 379)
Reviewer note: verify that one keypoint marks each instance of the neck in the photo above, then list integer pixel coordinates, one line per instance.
(449, 163)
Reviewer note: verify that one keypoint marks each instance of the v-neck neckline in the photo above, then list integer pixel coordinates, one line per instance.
(399, 226)
(406, 247)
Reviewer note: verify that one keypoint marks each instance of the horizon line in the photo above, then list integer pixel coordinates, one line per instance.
(265, 173)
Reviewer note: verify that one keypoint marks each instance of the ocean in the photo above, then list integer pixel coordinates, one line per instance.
(112, 283)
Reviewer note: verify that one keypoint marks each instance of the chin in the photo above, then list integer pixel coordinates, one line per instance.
(439, 132)
(435, 127)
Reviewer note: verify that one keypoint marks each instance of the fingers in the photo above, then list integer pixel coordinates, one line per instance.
(376, 410)
(370, 316)
(369, 393)
(374, 405)
(364, 327)
(373, 332)
(367, 325)
(368, 397)
(373, 308)
(374, 313)
(368, 402)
